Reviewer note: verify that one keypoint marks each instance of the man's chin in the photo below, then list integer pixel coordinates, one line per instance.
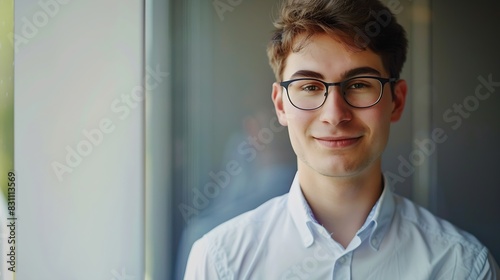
(344, 172)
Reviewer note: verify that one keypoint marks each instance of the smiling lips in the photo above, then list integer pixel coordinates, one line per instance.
(337, 142)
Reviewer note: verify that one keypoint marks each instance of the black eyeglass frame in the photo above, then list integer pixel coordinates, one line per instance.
(381, 80)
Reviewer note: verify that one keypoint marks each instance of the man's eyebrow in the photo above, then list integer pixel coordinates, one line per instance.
(346, 75)
(307, 74)
(360, 71)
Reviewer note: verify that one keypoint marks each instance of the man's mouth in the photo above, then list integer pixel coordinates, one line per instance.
(338, 141)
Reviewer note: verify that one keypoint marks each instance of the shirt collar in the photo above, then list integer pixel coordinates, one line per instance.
(303, 217)
(383, 215)
(301, 212)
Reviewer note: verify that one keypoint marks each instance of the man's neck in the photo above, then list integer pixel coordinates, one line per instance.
(341, 204)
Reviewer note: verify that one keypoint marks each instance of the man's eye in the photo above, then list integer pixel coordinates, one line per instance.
(310, 88)
(358, 86)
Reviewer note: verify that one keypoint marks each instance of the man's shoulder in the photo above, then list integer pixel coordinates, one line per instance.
(417, 220)
(251, 222)
(236, 247)
(424, 235)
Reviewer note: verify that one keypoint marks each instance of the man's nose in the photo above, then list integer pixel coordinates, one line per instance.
(335, 110)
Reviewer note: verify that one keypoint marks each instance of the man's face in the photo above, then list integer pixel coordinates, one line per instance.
(337, 140)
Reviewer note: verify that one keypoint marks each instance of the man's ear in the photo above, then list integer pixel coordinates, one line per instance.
(277, 96)
(399, 100)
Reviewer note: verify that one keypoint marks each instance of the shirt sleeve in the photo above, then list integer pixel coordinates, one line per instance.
(489, 268)
(200, 264)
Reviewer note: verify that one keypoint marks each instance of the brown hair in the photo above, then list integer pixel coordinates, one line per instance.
(360, 24)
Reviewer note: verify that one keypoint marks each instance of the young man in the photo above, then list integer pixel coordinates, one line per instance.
(338, 93)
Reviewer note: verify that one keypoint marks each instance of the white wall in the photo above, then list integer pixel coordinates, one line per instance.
(76, 66)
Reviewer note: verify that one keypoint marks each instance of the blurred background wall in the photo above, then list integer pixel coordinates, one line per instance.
(466, 100)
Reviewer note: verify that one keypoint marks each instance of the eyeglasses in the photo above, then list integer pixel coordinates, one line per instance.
(358, 92)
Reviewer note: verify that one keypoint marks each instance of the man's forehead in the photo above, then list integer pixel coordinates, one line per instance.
(328, 55)
(352, 72)
(304, 42)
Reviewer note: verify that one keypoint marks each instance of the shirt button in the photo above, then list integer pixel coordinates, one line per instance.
(374, 242)
(342, 260)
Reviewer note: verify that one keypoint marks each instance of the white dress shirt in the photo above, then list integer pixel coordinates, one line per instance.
(282, 240)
